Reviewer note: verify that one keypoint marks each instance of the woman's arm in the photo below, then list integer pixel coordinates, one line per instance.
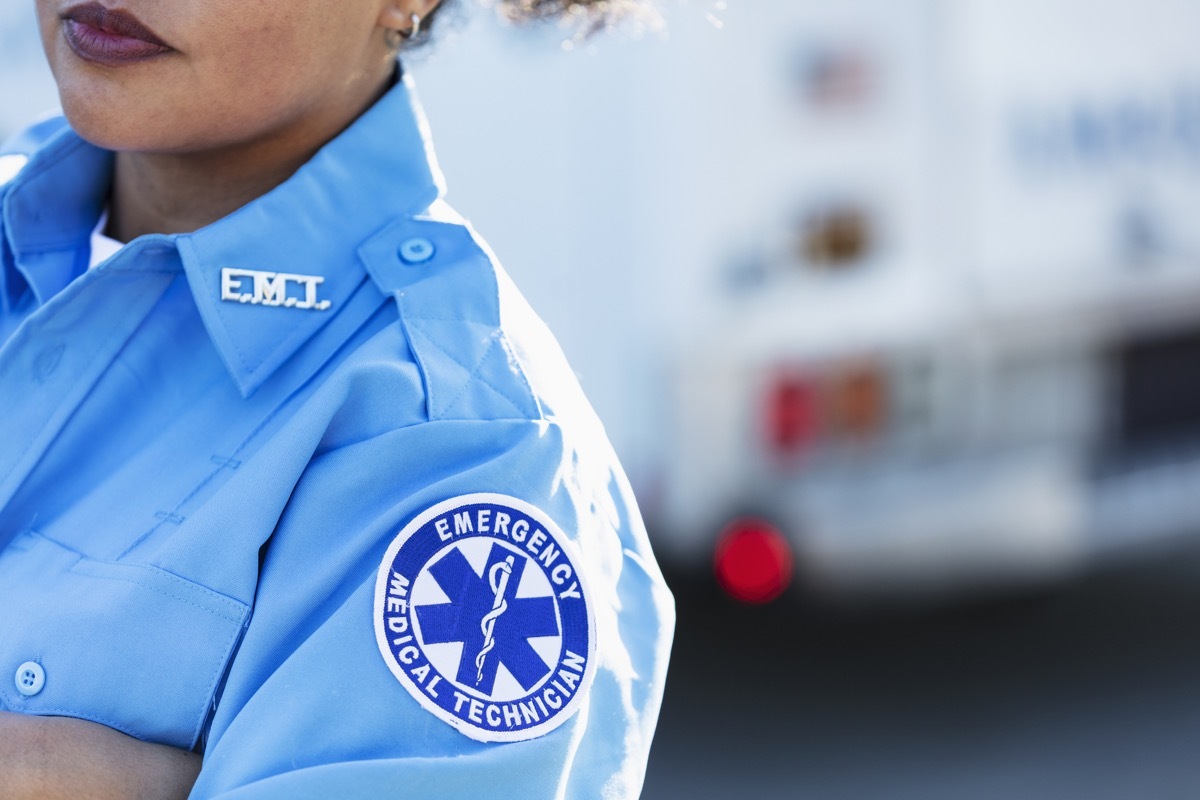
(312, 708)
(58, 757)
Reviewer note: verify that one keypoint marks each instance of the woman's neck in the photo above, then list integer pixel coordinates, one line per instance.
(169, 193)
(155, 193)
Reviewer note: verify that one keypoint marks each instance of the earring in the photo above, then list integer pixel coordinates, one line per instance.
(413, 31)
(397, 38)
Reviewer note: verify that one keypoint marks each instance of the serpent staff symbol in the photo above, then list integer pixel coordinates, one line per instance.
(498, 577)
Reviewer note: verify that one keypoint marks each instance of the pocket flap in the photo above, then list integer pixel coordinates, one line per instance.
(130, 646)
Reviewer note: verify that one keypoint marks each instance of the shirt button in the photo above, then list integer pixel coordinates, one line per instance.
(417, 250)
(30, 678)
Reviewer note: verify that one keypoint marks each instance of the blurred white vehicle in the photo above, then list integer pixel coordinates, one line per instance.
(907, 290)
(959, 344)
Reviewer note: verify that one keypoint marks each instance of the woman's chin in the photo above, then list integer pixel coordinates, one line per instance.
(103, 130)
(121, 127)
(117, 114)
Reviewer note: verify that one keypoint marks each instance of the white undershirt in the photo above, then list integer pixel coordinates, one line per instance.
(103, 247)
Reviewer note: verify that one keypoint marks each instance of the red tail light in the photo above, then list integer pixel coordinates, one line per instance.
(753, 561)
(792, 414)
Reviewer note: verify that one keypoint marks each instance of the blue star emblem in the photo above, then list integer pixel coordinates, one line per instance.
(484, 614)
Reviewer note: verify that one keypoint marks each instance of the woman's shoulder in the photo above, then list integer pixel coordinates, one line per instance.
(482, 351)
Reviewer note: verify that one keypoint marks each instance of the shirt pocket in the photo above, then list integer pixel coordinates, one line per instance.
(129, 646)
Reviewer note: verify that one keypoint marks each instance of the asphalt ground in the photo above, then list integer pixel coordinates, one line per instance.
(1089, 688)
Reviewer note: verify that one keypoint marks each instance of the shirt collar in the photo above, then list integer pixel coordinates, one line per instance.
(50, 209)
(380, 168)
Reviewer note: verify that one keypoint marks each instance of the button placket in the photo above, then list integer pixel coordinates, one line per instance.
(61, 372)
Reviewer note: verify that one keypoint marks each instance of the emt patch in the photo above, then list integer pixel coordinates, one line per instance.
(482, 615)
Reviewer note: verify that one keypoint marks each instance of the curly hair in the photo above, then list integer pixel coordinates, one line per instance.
(587, 16)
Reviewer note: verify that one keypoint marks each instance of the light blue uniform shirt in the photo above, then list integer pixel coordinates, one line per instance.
(216, 484)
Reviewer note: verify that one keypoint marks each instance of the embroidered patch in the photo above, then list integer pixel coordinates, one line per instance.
(482, 615)
(272, 289)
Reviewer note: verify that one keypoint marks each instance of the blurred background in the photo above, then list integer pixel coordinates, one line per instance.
(892, 311)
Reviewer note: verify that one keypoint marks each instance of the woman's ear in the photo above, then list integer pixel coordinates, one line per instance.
(397, 15)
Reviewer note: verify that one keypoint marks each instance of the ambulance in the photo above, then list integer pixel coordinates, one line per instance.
(956, 344)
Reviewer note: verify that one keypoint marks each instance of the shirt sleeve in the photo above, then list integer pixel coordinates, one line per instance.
(311, 708)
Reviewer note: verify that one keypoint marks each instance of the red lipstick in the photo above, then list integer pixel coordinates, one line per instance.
(110, 37)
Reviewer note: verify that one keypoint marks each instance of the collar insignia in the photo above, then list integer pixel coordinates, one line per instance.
(272, 289)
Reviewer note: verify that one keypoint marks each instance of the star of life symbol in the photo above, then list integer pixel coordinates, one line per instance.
(482, 616)
(498, 577)
(272, 289)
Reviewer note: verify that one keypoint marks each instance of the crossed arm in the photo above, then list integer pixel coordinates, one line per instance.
(57, 757)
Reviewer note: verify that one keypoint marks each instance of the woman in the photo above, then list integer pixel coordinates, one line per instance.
(297, 496)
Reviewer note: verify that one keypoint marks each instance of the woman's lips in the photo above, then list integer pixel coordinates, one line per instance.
(108, 36)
